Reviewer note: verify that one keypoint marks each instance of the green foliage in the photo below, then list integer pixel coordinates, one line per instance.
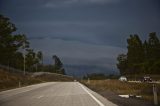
(141, 58)
(31, 59)
(12, 47)
(9, 43)
(135, 49)
(153, 47)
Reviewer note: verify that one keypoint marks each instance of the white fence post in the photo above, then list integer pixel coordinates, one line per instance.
(155, 94)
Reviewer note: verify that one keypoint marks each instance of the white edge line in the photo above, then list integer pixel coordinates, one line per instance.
(100, 103)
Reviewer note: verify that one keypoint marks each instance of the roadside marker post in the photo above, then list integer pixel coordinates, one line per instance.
(24, 59)
(88, 80)
(19, 84)
(155, 94)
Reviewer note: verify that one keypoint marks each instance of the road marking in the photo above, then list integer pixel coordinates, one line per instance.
(124, 96)
(100, 103)
(40, 97)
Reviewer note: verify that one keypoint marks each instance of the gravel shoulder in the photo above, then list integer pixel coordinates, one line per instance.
(124, 101)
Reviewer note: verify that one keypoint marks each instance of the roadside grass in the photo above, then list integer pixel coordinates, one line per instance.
(124, 88)
(54, 77)
(11, 80)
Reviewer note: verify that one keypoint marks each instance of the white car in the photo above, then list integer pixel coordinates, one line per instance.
(123, 78)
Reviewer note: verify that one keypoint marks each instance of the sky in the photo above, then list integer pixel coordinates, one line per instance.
(87, 35)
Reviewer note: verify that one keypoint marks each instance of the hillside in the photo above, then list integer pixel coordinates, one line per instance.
(9, 79)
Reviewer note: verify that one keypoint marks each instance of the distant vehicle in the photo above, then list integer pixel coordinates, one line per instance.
(123, 78)
(146, 79)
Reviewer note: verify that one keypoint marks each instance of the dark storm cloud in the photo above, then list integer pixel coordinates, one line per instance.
(79, 53)
(95, 30)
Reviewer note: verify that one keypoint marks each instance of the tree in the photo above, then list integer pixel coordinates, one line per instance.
(153, 53)
(135, 55)
(58, 65)
(40, 56)
(39, 64)
(62, 71)
(135, 49)
(31, 59)
(14, 48)
(9, 43)
(7, 47)
(122, 63)
(146, 50)
(153, 46)
(141, 58)
(57, 62)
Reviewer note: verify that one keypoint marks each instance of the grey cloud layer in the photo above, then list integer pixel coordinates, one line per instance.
(59, 3)
(79, 58)
(73, 52)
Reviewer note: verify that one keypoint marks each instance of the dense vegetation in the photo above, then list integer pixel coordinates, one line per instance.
(15, 51)
(142, 57)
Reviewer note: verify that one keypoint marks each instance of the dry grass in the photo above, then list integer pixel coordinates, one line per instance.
(143, 89)
(9, 80)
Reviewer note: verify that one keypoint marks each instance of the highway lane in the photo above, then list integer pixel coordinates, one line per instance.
(53, 94)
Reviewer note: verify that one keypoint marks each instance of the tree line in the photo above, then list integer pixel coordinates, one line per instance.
(142, 57)
(99, 76)
(14, 48)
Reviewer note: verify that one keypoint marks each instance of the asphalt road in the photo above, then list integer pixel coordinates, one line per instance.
(53, 94)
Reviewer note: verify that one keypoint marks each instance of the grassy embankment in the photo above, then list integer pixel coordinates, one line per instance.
(118, 87)
(9, 80)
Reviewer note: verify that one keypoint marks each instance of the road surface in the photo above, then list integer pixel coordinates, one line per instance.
(53, 94)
